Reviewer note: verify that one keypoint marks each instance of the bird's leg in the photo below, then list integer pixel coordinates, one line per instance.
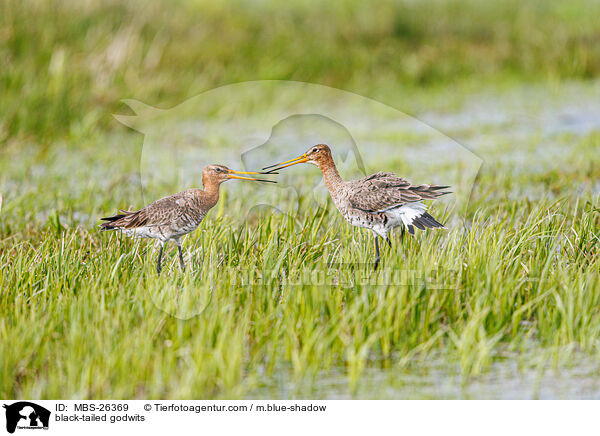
(387, 239)
(158, 262)
(181, 262)
(377, 258)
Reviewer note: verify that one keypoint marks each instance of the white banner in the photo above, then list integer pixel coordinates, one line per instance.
(291, 417)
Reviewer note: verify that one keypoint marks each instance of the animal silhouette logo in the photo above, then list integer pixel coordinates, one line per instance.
(26, 415)
(248, 125)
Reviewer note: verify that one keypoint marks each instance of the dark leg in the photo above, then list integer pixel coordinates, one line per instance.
(181, 262)
(376, 252)
(387, 239)
(158, 262)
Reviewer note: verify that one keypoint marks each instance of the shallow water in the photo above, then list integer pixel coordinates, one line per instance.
(530, 128)
(515, 377)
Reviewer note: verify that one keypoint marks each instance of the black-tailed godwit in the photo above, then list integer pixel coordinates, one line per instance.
(379, 202)
(172, 217)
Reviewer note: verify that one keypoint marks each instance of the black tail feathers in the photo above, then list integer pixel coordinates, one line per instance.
(425, 221)
(110, 221)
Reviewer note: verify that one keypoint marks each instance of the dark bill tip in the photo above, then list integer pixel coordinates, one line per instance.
(272, 171)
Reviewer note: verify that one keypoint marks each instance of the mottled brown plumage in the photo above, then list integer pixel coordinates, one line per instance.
(383, 191)
(172, 217)
(379, 202)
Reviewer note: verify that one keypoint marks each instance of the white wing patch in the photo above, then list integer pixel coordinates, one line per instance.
(407, 213)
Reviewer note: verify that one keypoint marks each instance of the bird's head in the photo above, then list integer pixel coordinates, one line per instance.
(220, 173)
(319, 155)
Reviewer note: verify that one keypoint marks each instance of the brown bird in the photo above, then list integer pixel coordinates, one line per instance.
(379, 202)
(172, 217)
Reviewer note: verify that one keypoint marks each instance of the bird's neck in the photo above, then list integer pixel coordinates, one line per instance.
(330, 174)
(211, 192)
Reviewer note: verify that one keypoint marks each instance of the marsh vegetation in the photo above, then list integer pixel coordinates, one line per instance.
(79, 316)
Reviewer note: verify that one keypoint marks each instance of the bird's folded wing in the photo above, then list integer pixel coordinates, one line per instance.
(160, 213)
(384, 191)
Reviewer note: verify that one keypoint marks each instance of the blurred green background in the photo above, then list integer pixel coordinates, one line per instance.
(65, 64)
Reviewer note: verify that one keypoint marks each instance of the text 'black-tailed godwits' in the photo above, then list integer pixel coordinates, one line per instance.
(379, 202)
(175, 216)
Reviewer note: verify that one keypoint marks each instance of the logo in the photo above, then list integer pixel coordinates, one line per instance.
(26, 415)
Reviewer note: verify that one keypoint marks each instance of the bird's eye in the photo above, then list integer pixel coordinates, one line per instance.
(314, 150)
(218, 170)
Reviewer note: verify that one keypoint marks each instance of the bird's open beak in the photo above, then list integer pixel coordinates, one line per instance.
(231, 175)
(298, 160)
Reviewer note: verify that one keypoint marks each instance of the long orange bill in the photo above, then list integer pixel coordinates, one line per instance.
(295, 161)
(231, 175)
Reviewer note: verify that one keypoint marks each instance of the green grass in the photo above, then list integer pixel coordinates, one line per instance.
(83, 314)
